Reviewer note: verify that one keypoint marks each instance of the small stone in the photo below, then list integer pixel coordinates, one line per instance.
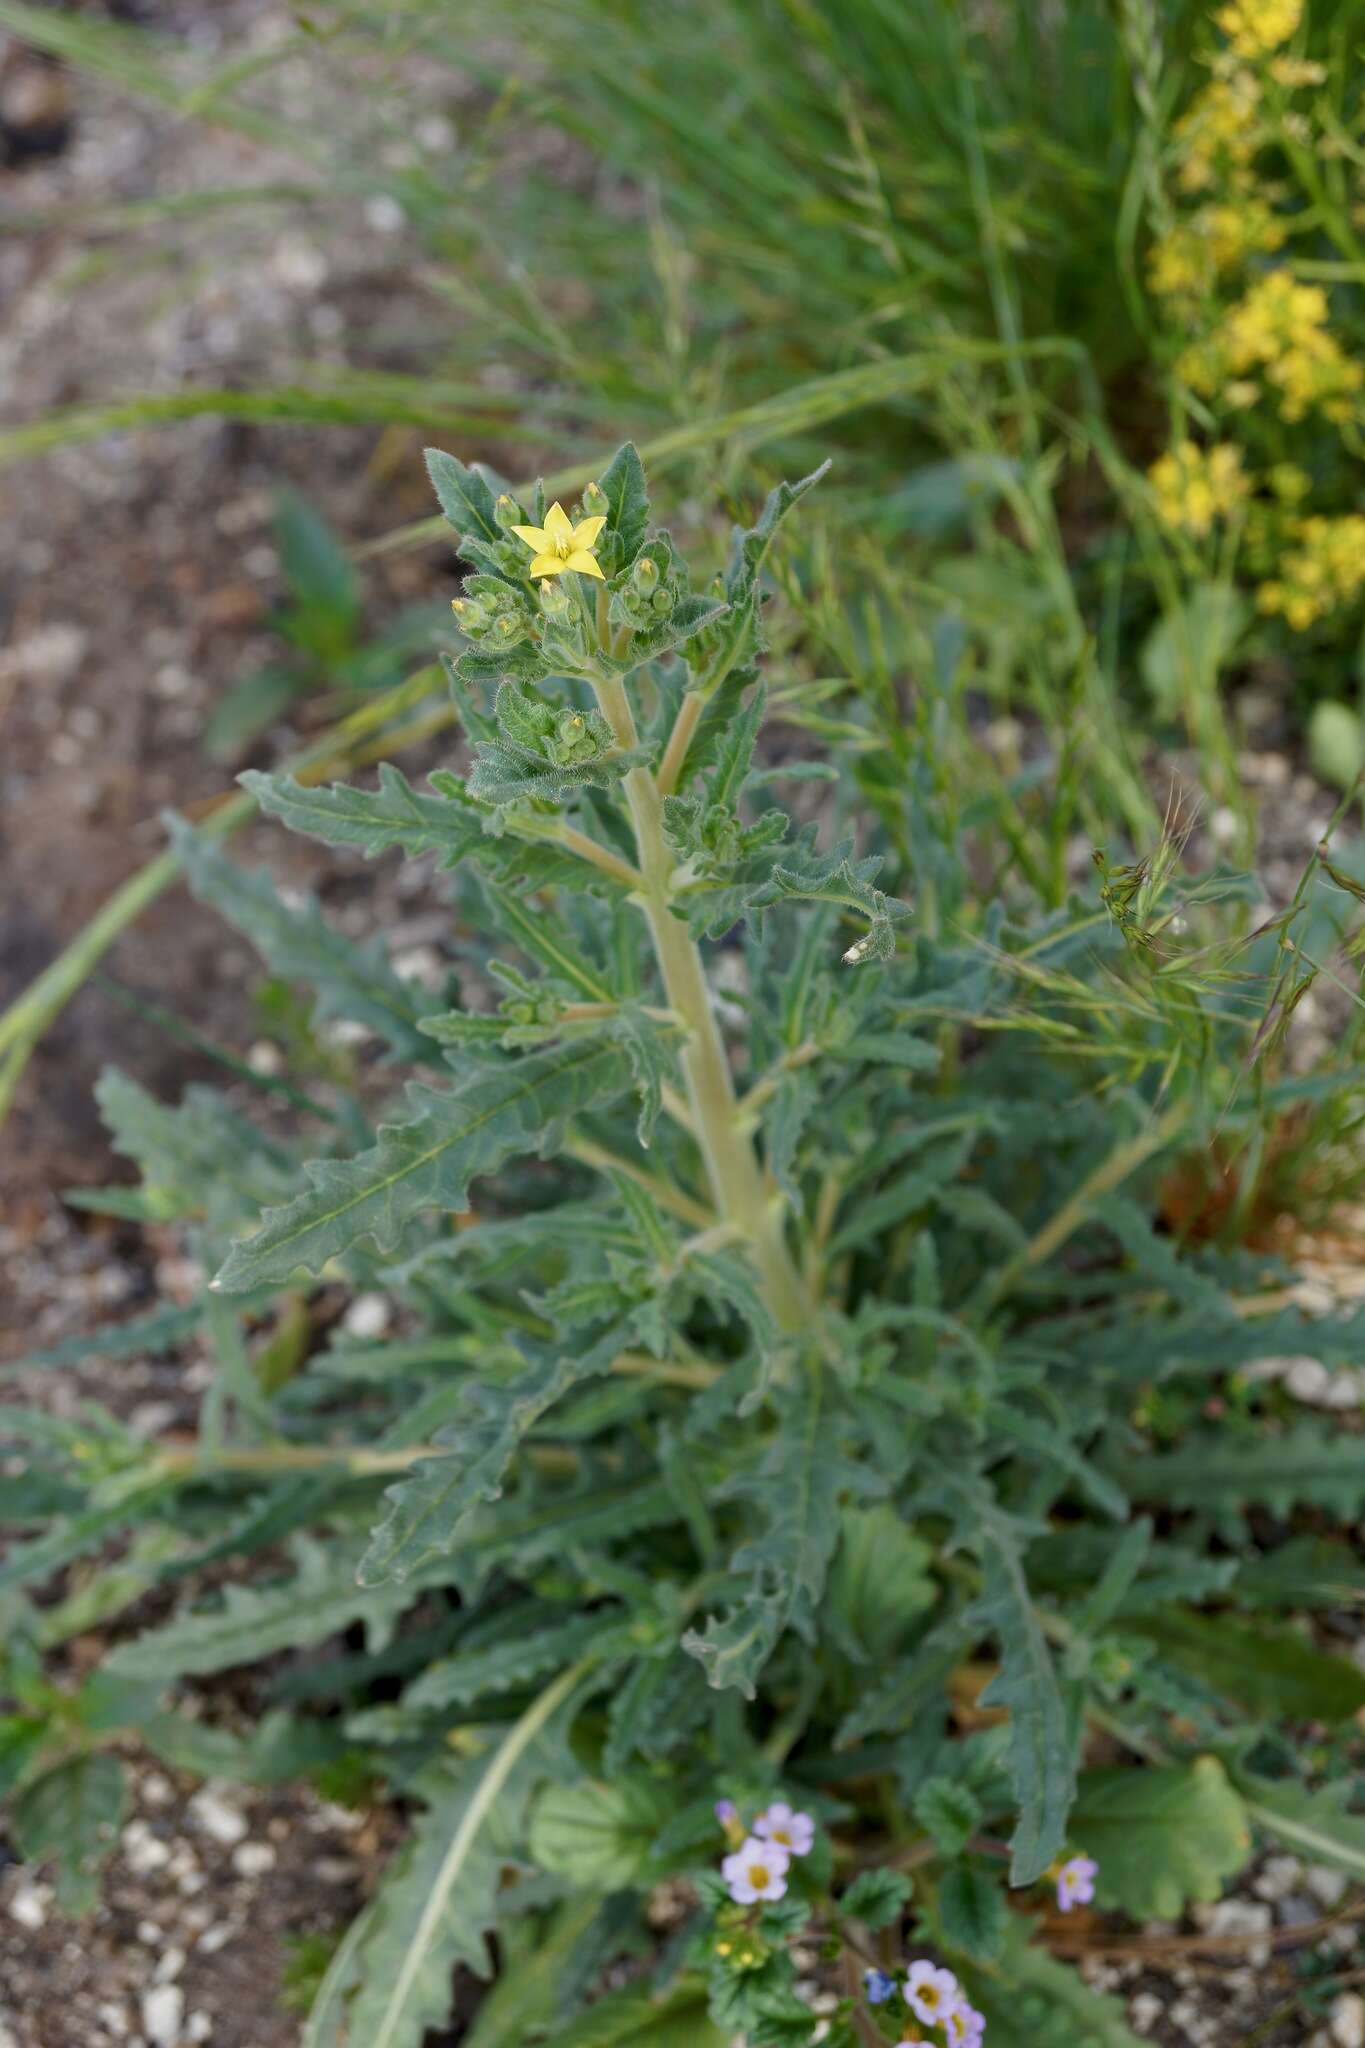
(149, 1934)
(162, 2011)
(422, 964)
(149, 1418)
(261, 561)
(156, 1790)
(253, 1859)
(385, 215)
(1295, 1911)
(212, 1813)
(1240, 1917)
(50, 656)
(1144, 2011)
(1348, 2020)
(169, 1966)
(436, 133)
(143, 1851)
(368, 1316)
(345, 1033)
(1278, 1877)
(1327, 1886)
(235, 605)
(299, 265)
(198, 2027)
(216, 1937)
(29, 1905)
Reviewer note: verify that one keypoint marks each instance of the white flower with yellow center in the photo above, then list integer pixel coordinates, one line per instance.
(931, 1993)
(756, 1871)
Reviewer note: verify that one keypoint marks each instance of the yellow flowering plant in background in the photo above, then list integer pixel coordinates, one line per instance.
(1256, 251)
(1194, 487)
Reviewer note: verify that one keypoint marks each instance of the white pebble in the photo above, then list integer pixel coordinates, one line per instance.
(299, 264)
(51, 655)
(214, 1938)
(1278, 1878)
(29, 1905)
(169, 1966)
(1327, 1886)
(162, 2011)
(253, 1859)
(211, 1812)
(1348, 2020)
(143, 1851)
(198, 2027)
(1145, 2010)
(367, 1316)
(421, 964)
(385, 215)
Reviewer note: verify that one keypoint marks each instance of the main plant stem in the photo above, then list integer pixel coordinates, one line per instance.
(737, 1185)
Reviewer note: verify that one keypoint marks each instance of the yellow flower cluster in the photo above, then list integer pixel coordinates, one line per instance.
(1195, 486)
(1278, 333)
(1220, 236)
(1220, 133)
(1323, 572)
(1254, 27)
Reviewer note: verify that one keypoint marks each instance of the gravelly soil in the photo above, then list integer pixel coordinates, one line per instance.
(136, 575)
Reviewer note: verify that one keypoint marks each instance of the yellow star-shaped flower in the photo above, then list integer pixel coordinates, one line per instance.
(560, 545)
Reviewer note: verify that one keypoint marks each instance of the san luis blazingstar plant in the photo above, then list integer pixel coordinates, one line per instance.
(735, 1530)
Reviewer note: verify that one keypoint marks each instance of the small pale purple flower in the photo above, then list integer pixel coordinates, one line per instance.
(931, 1993)
(966, 2027)
(756, 1871)
(726, 1811)
(793, 1832)
(1076, 1882)
(878, 1987)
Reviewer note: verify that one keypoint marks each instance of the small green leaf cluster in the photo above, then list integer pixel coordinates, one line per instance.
(763, 1216)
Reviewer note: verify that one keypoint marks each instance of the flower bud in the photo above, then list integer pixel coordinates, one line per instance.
(507, 511)
(646, 573)
(595, 501)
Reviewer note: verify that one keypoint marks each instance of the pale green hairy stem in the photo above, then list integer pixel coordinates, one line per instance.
(736, 1178)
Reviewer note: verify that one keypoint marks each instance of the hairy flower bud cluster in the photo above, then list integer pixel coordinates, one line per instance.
(492, 613)
(648, 595)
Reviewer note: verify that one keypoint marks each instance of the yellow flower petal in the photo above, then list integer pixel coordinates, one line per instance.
(587, 530)
(534, 537)
(558, 524)
(548, 565)
(585, 564)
